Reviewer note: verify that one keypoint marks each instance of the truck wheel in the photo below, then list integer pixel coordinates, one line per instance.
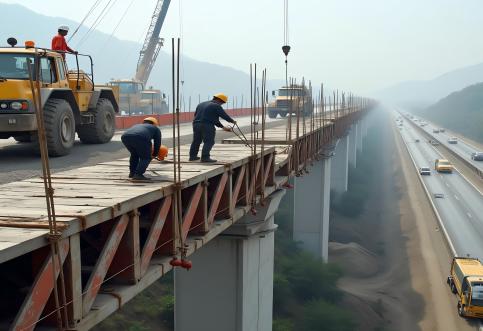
(59, 127)
(272, 114)
(23, 139)
(453, 288)
(102, 130)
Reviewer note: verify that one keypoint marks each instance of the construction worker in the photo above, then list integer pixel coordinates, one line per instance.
(137, 140)
(207, 116)
(59, 43)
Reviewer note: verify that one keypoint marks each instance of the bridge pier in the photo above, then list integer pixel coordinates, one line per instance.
(311, 207)
(359, 136)
(353, 146)
(340, 166)
(231, 284)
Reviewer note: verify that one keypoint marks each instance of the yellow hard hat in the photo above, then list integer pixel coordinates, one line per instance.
(152, 120)
(222, 97)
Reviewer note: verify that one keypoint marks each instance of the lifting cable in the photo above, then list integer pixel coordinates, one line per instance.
(54, 234)
(107, 8)
(96, 3)
(116, 27)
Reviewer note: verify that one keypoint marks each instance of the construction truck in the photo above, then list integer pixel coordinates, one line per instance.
(135, 100)
(70, 101)
(293, 99)
(466, 281)
(134, 97)
(442, 165)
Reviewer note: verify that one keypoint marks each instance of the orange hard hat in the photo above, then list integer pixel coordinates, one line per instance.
(152, 120)
(163, 152)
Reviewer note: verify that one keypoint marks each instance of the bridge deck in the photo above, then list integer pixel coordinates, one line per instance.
(118, 236)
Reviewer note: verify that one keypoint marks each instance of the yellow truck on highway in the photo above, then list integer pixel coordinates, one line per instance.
(466, 281)
(442, 165)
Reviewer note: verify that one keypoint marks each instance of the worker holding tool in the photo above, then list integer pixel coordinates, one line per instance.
(137, 140)
(207, 116)
(59, 43)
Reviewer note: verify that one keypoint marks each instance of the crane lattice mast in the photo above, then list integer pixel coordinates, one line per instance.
(152, 43)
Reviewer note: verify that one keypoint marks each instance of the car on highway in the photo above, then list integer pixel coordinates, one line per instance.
(453, 140)
(442, 165)
(416, 140)
(438, 195)
(477, 156)
(435, 130)
(425, 171)
(434, 142)
(442, 130)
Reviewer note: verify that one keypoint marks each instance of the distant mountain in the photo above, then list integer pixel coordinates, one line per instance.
(460, 111)
(115, 58)
(424, 93)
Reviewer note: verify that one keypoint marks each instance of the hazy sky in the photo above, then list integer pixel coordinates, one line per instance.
(360, 45)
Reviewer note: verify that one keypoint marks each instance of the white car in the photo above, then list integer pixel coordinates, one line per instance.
(425, 171)
(453, 140)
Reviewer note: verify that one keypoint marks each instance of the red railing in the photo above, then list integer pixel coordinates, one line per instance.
(125, 122)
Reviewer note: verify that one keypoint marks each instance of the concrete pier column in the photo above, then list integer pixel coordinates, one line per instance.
(340, 166)
(231, 284)
(359, 137)
(312, 204)
(353, 146)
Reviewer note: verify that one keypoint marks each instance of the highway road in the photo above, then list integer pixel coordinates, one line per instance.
(463, 148)
(18, 160)
(461, 208)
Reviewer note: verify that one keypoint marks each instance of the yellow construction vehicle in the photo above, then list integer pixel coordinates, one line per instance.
(70, 100)
(293, 99)
(466, 281)
(442, 165)
(134, 97)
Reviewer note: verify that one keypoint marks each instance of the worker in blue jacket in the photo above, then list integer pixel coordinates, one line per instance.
(137, 140)
(207, 116)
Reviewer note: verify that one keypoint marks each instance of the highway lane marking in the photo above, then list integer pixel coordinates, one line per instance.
(456, 197)
(469, 215)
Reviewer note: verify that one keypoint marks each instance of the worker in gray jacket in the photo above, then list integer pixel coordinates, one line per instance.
(207, 116)
(137, 140)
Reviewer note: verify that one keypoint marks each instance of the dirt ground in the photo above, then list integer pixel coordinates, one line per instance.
(397, 233)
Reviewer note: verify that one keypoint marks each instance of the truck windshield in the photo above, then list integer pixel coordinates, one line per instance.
(477, 294)
(289, 92)
(14, 66)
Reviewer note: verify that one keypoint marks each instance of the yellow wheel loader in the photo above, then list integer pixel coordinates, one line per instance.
(71, 102)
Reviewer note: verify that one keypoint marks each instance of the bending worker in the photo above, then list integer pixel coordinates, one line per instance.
(137, 140)
(207, 116)
(59, 43)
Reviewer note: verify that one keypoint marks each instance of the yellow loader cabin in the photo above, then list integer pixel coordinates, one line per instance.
(70, 101)
(466, 281)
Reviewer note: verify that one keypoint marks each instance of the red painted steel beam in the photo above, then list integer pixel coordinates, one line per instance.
(39, 293)
(268, 168)
(191, 211)
(154, 233)
(238, 185)
(217, 197)
(103, 262)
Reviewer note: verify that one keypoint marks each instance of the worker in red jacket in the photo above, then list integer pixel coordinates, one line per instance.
(59, 43)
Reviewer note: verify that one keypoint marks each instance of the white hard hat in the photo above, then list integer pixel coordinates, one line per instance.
(64, 27)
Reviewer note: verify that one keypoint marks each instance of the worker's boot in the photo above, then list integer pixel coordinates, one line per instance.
(196, 158)
(131, 175)
(140, 177)
(208, 160)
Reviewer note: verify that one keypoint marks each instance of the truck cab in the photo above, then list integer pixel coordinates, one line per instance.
(291, 99)
(466, 281)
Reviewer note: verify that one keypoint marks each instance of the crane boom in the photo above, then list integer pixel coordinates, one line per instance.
(152, 42)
